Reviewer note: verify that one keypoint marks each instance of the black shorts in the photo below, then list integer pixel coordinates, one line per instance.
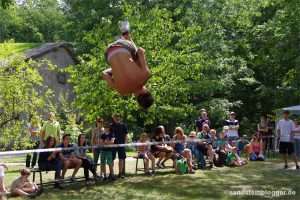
(286, 147)
(121, 153)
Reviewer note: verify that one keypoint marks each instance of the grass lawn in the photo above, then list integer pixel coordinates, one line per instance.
(19, 47)
(207, 184)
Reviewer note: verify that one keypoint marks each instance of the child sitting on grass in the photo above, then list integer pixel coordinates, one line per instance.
(143, 152)
(22, 186)
(233, 160)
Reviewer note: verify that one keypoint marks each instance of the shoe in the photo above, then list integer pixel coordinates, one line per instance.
(58, 186)
(39, 192)
(105, 178)
(286, 167)
(97, 177)
(297, 167)
(73, 179)
(153, 173)
(121, 176)
(148, 173)
(87, 183)
(158, 165)
(163, 165)
(31, 196)
(111, 177)
(125, 27)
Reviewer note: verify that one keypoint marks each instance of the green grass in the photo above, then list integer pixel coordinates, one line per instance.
(207, 184)
(14, 48)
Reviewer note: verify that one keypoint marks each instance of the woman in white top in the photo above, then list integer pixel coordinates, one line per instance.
(296, 132)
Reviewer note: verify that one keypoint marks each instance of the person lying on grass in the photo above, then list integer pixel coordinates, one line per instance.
(233, 160)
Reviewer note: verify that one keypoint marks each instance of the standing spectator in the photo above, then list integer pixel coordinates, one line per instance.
(119, 130)
(51, 127)
(34, 129)
(68, 157)
(50, 160)
(270, 133)
(285, 135)
(203, 119)
(233, 127)
(297, 137)
(107, 138)
(180, 147)
(262, 128)
(2, 186)
(256, 148)
(96, 134)
(87, 162)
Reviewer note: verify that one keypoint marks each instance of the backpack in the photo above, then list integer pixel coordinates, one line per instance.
(182, 166)
(220, 161)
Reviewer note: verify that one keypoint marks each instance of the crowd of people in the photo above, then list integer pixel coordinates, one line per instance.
(200, 149)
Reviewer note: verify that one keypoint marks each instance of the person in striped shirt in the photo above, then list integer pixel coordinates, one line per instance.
(143, 152)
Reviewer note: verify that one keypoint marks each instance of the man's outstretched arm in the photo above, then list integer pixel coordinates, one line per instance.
(107, 76)
(142, 61)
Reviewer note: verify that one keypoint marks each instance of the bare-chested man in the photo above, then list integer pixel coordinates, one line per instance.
(129, 71)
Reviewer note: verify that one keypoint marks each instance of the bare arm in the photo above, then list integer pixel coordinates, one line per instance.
(107, 76)
(141, 61)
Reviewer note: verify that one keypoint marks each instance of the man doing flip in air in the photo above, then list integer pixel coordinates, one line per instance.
(129, 71)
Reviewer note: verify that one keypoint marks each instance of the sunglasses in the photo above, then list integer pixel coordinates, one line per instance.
(100, 121)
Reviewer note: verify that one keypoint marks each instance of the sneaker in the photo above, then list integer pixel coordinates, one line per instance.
(297, 167)
(121, 176)
(73, 179)
(153, 173)
(58, 186)
(286, 167)
(39, 192)
(158, 165)
(148, 173)
(97, 177)
(31, 196)
(125, 27)
(163, 166)
(105, 178)
(87, 183)
(111, 177)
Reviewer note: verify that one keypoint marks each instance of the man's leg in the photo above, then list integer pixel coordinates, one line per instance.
(285, 159)
(77, 163)
(66, 165)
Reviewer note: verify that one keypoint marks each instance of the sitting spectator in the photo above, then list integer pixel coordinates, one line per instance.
(160, 151)
(2, 186)
(107, 138)
(213, 138)
(175, 156)
(87, 161)
(232, 159)
(143, 152)
(50, 161)
(68, 158)
(205, 146)
(180, 147)
(243, 145)
(22, 186)
(256, 148)
(192, 144)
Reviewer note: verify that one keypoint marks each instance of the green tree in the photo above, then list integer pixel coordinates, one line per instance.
(19, 96)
